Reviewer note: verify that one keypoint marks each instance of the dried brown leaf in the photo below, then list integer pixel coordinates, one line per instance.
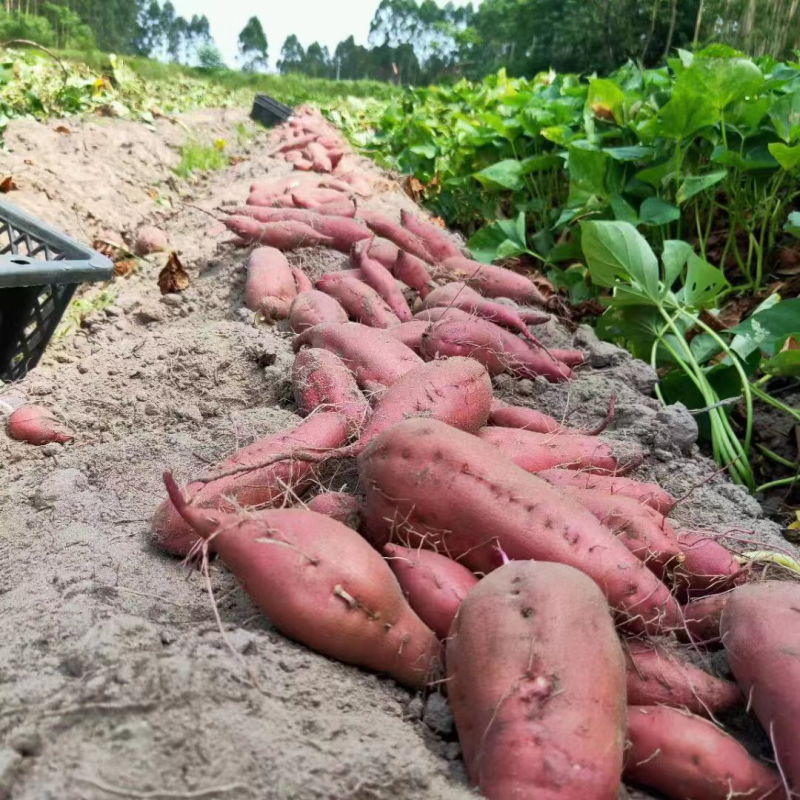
(63, 129)
(124, 267)
(173, 278)
(8, 184)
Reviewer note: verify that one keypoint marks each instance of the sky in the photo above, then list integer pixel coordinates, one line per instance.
(325, 21)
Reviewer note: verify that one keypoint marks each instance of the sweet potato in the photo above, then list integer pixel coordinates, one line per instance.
(343, 507)
(657, 676)
(373, 355)
(645, 532)
(343, 232)
(536, 682)
(321, 382)
(434, 585)
(301, 280)
(489, 280)
(459, 295)
(701, 621)
(361, 302)
(410, 333)
(381, 280)
(384, 252)
(361, 182)
(335, 156)
(707, 567)
(305, 164)
(648, 494)
(684, 756)
(150, 240)
(535, 452)
(254, 487)
(382, 226)
(318, 156)
(271, 286)
(320, 583)
(761, 633)
(288, 235)
(572, 358)
(37, 425)
(508, 416)
(484, 341)
(413, 272)
(298, 144)
(338, 208)
(435, 240)
(293, 156)
(312, 308)
(313, 198)
(428, 484)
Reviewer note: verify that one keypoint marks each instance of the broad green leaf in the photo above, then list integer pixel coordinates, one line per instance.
(657, 175)
(788, 157)
(785, 116)
(623, 210)
(506, 174)
(785, 363)
(704, 347)
(676, 254)
(703, 283)
(636, 327)
(486, 242)
(769, 328)
(699, 183)
(655, 211)
(427, 150)
(755, 158)
(632, 153)
(722, 81)
(606, 100)
(686, 113)
(617, 251)
(587, 175)
(793, 224)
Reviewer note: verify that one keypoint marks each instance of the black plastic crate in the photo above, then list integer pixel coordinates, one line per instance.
(40, 269)
(269, 111)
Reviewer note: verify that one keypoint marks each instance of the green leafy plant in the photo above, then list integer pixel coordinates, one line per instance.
(656, 310)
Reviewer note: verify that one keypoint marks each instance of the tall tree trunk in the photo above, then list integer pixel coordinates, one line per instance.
(699, 23)
(651, 32)
(785, 28)
(673, 17)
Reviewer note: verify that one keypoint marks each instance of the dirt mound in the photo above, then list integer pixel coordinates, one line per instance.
(114, 678)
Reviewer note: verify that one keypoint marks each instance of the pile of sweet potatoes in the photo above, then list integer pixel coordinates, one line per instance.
(488, 551)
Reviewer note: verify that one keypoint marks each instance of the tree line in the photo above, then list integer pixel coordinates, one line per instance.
(419, 42)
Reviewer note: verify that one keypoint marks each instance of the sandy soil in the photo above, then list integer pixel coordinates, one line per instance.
(114, 677)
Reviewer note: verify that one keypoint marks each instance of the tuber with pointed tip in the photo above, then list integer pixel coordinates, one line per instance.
(271, 285)
(361, 302)
(37, 425)
(313, 308)
(289, 235)
(374, 274)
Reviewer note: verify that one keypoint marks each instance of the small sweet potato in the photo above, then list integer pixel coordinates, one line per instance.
(381, 280)
(361, 302)
(535, 452)
(321, 583)
(252, 486)
(301, 280)
(37, 425)
(536, 682)
(373, 355)
(708, 567)
(701, 621)
(312, 308)
(343, 507)
(761, 633)
(489, 280)
(433, 584)
(313, 198)
(338, 208)
(271, 286)
(428, 484)
(410, 333)
(150, 240)
(384, 252)
(289, 235)
(318, 156)
(435, 240)
(649, 494)
(298, 144)
(413, 272)
(485, 342)
(322, 382)
(382, 226)
(684, 756)
(657, 676)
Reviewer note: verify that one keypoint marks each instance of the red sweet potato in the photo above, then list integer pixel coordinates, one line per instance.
(381, 280)
(318, 156)
(271, 286)
(304, 164)
(384, 252)
(254, 487)
(301, 280)
(314, 198)
(413, 272)
(382, 226)
(410, 333)
(657, 676)
(361, 302)
(338, 208)
(312, 308)
(535, 452)
(648, 494)
(361, 182)
(374, 356)
(321, 382)
(343, 232)
(320, 582)
(485, 342)
(428, 484)
(489, 280)
(343, 507)
(645, 532)
(459, 295)
(335, 156)
(298, 143)
(572, 358)
(684, 756)
(293, 156)
(37, 425)
(761, 633)
(434, 585)
(288, 235)
(708, 567)
(701, 621)
(536, 682)
(435, 240)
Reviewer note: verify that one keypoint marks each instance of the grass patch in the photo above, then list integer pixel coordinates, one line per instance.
(80, 308)
(198, 158)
